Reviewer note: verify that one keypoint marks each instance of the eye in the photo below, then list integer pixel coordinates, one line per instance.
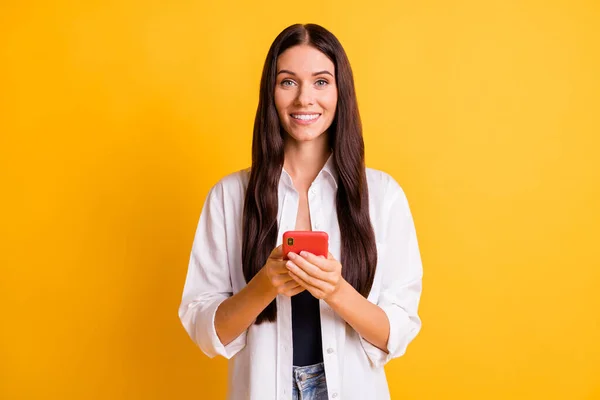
(287, 82)
(322, 82)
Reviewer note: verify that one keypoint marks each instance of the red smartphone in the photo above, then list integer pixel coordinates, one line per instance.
(315, 242)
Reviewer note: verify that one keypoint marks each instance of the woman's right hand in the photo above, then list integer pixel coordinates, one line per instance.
(277, 275)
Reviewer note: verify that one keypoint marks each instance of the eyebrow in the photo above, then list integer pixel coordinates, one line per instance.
(285, 71)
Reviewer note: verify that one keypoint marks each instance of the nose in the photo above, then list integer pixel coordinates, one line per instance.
(305, 96)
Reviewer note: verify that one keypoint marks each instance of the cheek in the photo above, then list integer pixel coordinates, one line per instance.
(330, 102)
(278, 102)
(282, 101)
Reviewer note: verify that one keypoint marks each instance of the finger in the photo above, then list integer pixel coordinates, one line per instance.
(292, 288)
(295, 291)
(278, 267)
(280, 280)
(306, 277)
(322, 264)
(313, 290)
(289, 286)
(310, 269)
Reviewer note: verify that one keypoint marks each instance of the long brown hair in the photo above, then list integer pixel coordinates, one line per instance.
(358, 249)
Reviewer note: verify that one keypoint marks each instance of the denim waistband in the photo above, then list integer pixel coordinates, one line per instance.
(310, 369)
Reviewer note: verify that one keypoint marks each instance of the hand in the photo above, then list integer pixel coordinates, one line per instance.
(321, 276)
(280, 282)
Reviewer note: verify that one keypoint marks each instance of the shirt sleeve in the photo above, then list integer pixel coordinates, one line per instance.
(208, 280)
(401, 281)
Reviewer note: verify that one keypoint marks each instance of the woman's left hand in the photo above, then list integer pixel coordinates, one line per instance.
(321, 276)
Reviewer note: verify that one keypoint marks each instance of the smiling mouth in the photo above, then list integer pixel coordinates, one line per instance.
(305, 117)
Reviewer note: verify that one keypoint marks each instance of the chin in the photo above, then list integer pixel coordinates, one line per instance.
(305, 135)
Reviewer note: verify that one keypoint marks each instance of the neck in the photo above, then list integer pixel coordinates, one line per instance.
(304, 160)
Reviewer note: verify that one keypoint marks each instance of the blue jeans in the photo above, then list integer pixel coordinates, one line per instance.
(309, 382)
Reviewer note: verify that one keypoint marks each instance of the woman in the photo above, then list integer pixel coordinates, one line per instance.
(308, 327)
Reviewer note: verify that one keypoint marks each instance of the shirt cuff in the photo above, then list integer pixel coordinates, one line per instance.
(206, 333)
(402, 331)
(232, 348)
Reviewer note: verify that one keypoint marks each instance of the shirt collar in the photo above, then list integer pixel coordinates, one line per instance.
(328, 170)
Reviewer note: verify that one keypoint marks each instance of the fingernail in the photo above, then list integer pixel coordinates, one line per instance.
(291, 255)
(303, 253)
(289, 264)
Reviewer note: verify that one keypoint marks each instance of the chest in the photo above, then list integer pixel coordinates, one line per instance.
(303, 222)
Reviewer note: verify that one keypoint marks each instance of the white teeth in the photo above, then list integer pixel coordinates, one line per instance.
(305, 117)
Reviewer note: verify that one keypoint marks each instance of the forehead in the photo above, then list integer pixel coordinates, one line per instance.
(304, 59)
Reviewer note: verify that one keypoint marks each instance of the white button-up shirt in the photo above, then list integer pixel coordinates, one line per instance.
(260, 359)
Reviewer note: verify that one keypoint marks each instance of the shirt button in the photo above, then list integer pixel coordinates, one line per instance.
(329, 350)
(334, 395)
(312, 191)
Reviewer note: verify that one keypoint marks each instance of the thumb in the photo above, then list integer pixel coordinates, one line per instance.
(277, 252)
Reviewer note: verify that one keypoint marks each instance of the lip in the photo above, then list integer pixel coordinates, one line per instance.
(303, 122)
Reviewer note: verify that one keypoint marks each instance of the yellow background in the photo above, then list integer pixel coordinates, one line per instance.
(116, 117)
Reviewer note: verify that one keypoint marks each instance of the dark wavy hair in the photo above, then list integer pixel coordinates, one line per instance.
(358, 249)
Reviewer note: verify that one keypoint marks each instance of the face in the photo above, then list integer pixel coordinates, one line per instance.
(305, 92)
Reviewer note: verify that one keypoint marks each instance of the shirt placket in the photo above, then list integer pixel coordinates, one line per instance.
(328, 318)
(315, 207)
(331, 346)
(284, 305)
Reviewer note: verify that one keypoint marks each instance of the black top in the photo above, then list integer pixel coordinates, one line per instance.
(306, 329)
